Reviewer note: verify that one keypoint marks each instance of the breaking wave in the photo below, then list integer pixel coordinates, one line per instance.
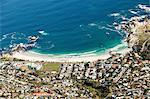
(43, 32)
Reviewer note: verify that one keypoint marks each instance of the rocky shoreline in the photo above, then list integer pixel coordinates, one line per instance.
(117, 77)
(138, 33)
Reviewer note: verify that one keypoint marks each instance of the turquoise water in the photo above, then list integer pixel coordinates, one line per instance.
(70, 26)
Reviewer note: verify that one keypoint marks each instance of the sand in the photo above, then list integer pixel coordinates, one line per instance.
(32, 56)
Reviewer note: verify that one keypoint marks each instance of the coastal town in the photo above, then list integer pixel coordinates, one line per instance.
(124, 76)
(121, 76)
(20, 80)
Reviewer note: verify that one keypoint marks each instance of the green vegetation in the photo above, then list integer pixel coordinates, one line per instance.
(142, 34)
(144, 40)
(140, 38)
(15, 59)
(51, 66)
(5, 59)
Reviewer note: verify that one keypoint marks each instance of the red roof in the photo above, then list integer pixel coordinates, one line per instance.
(41, 94)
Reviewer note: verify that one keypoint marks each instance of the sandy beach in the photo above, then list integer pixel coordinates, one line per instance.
(32, 56)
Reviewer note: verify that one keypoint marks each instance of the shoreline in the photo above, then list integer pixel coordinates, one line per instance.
(33, 56)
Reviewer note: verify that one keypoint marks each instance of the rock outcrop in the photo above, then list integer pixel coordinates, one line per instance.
(138, 35)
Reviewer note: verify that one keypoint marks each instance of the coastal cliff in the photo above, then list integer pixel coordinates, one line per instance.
(138, 35)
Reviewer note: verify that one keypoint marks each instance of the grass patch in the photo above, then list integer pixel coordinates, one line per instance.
(54, 66)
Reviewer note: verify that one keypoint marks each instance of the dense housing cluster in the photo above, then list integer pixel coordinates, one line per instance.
(126, 75)
(19, 80)
(121, 76)
(118, 77)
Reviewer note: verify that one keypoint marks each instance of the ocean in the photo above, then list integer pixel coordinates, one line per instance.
(69, 26)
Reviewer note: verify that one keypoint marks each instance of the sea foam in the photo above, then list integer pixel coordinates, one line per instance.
(144, 7)
(115, 14)
(42, 33)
